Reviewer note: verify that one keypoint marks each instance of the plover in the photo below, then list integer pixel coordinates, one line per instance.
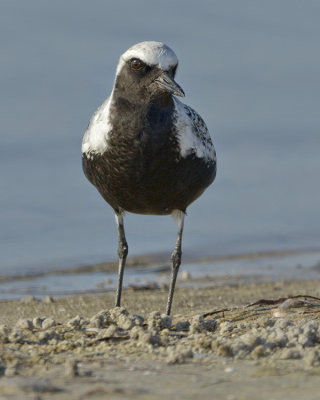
(144, 150)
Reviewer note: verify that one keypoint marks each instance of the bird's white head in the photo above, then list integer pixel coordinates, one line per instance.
(147, 69)
(151, 53)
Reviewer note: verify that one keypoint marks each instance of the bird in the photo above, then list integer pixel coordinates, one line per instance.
(145, 151)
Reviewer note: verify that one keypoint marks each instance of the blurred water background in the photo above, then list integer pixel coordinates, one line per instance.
(251, 68)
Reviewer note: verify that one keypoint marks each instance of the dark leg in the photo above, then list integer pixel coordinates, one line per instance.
(176, 259)
(122, 252)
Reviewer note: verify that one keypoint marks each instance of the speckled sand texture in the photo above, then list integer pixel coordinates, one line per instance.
(83, 348)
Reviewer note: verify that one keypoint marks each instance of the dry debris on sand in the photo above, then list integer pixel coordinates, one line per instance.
(147, 356)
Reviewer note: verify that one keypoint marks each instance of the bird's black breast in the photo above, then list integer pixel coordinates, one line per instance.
(142, 170)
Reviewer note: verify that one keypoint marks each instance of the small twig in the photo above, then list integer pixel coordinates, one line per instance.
(265, 302)
(280, 300)
(223, 310)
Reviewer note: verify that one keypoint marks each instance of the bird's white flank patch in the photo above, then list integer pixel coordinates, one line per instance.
(151, 53)
(95, 140)
(192, 133)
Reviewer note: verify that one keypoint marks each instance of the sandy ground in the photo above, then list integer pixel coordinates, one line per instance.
(83, 348)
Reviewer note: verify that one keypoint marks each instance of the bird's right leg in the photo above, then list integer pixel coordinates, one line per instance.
(175, 258)
(122, 253)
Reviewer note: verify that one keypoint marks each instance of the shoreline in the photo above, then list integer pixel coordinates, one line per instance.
(153, 271)
(147, 260)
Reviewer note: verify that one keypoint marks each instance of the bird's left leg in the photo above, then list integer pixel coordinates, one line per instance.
(176, 257)
(122, 253)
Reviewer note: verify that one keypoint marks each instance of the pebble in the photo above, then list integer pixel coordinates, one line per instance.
(110, 331)
(16, 336)
(77, 322)
(137, 320)
(97, 321)
(10, 371)
(136, 332)
(250, 340)
(290, 354)
(178, 357)
(226, 327)
(48, 299)
(258, 352)
(259, 338)
(37, 322)
(116, 312)
(202, 341)
(182, 325)
(46, 336)
(199, 324)
(125, 322)
(4, 330)
(161, 321)
(148, 337)
(276, 338)
(48, 323)
(24, 323)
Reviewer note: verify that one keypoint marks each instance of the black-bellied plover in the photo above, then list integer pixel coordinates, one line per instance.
(144, 150)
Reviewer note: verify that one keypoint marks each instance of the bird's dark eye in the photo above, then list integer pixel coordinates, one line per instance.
(136, 64)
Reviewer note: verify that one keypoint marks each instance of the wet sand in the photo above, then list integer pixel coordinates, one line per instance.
(81, 347)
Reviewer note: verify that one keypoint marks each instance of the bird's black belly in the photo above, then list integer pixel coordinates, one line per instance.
(148, 180)
(142, 170)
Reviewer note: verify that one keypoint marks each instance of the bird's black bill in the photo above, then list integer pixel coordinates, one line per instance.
(166, 82)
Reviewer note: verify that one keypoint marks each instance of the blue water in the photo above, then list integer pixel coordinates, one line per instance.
(210, 273)
(251, 69)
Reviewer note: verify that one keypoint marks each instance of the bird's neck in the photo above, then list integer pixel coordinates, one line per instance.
(139, 105)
